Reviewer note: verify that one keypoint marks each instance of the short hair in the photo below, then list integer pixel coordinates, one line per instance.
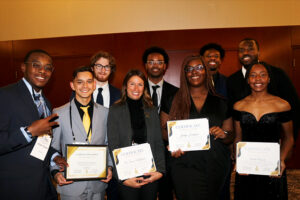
(81, 69)
(27, 56)
(250, 40)
(214, 46)
(104, 54)
(158, 50)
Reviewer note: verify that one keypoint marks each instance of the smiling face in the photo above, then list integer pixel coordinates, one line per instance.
(101, 74)
(212, 60)
(155, 65)
(197, 76)
(258, 78)
(37, 77)
(248, 53)
(135, 87)
(84, 86)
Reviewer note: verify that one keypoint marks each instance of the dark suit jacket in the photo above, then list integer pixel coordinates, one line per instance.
(115, 94)
(119, 132)
(168, 90)
(280, 85)
(21, 175)
(220, 84)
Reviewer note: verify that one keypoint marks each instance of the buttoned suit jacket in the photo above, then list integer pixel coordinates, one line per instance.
(62, 135)
(21, 175)
(120, 132)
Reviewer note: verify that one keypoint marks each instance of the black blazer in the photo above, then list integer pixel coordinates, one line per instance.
(168, 90)
(119, 132)
(21, 175)
(280, 85)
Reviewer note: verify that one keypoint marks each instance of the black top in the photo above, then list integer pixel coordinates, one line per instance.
(266, 129)
(137, 119)
(212, 164)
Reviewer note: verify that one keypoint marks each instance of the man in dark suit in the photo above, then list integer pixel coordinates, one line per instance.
(23, 118)
(213, 55)
(280, 84)
(104, 65)
(156, 61)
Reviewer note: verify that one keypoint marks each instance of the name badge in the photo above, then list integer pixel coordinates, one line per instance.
(41, 147)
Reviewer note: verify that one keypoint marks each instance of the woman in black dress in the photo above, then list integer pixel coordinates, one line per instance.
(199, 174)
(262, 117)
(134, 120)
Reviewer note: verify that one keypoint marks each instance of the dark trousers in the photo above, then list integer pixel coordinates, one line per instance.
(112, 190)
(146, 192)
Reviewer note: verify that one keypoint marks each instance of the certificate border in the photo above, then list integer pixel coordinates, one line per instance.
(85, 145)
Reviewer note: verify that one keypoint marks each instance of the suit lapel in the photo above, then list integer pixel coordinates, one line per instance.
(78, 128)
(95, 119)
(27, 99)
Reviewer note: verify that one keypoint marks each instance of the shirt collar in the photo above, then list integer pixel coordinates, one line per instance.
(244, 71)
(98, 84)
(29, 87)
(160, 83)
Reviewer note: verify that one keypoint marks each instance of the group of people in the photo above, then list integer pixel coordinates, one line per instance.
(257, 103)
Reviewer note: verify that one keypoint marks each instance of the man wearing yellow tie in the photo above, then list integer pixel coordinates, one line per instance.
(81, 121)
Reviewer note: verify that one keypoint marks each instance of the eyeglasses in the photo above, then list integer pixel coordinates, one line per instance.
(191, 68)
(99, 67)
(155, 62)
(38, 66)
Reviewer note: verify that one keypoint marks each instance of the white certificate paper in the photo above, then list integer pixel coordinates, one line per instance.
(134, 161)
(86, 162)
(189, 135)
(259, 158)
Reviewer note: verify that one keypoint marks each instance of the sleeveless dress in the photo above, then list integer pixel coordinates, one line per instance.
(266, 129)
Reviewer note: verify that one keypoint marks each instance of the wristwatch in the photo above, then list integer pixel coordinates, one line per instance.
(27, 131)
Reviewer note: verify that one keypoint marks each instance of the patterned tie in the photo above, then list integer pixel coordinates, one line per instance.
(40, 104)
(100, 97)
(154, 95)
(86, 120)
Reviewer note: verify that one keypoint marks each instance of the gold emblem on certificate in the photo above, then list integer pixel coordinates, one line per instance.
(134, 161)
(86, 162)
(259, 158)
(189, 135)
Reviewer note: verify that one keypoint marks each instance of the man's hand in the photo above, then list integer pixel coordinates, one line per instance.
(60, 179)
(43, 126)
(61, 162)
(109, 175)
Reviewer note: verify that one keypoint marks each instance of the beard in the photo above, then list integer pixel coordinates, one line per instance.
(247, 64)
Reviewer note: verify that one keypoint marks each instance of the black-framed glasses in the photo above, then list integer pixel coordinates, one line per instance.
(99, 67)
(38, 66)
(155, 62)
(191, 68)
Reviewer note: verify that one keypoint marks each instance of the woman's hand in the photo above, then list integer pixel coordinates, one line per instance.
(217, 132)
(177, 154)
(153, 176)
(135, 182)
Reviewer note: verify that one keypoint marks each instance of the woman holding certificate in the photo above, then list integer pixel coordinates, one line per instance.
(133, 121)
(262, 117)
(199, 174)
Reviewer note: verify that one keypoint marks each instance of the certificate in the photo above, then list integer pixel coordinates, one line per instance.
(86, 162)
(259, 158)
(188, 135)
(134, 161)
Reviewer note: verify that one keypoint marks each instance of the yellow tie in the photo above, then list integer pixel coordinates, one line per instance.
(86, 120)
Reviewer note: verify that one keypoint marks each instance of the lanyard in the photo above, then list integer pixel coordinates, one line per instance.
(74, 138)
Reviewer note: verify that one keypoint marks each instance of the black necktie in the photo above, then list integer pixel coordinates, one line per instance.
(100, 97)
(154, 95)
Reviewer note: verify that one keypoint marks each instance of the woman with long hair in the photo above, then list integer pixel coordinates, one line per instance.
(134, 120)
(262, 117)
(199, 174)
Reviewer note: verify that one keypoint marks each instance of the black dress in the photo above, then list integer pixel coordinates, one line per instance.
(267, 129)
(201, 174)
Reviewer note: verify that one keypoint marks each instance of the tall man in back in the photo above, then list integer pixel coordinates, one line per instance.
(24, 156)
(280, 84)
(156, 61)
